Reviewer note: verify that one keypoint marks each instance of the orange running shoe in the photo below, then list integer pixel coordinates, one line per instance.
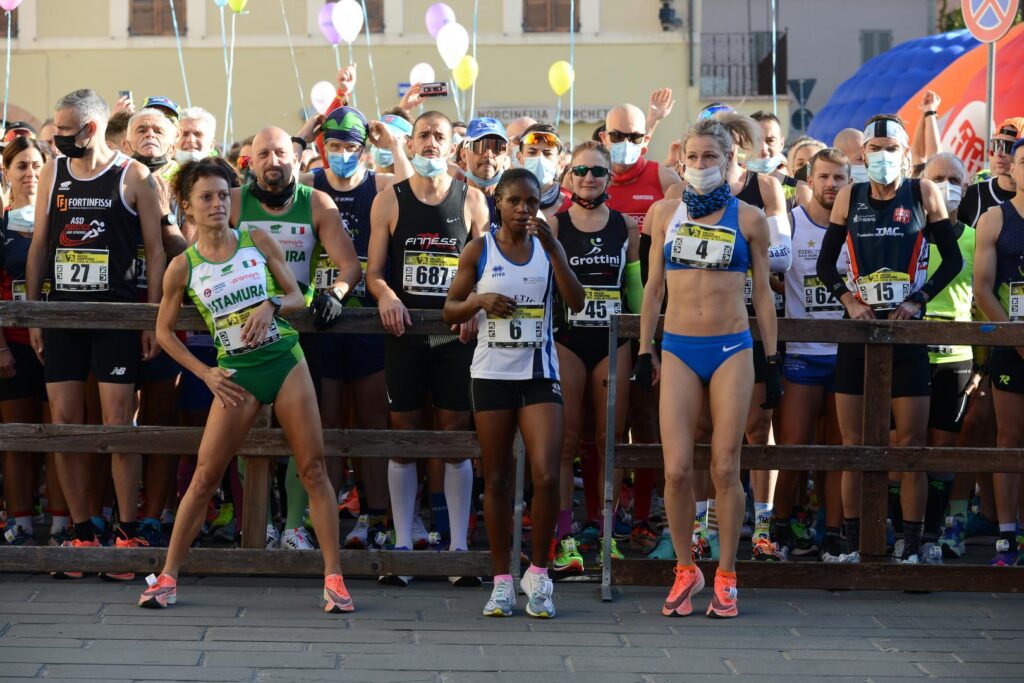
(161, 592)
(121, 540)
(336, 595)
(723, 601)
(75, 543)
(689, 581)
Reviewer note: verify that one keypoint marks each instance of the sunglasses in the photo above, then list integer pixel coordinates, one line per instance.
(484, 145)
(619, 136)
(596, 171)
(547, 139)
(998, 145)
(18, 133)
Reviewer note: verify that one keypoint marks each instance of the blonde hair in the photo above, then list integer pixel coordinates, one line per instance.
(729, 129)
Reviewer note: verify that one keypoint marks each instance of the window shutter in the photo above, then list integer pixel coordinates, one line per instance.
(143, 19)
(375, 15)
(153, 18)
(561, 18)
(536, 16)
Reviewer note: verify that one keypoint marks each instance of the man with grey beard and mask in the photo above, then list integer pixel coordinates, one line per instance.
(196, 130)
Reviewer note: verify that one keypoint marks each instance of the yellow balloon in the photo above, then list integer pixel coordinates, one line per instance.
(466, 72)
(560, 77)
(237, 5)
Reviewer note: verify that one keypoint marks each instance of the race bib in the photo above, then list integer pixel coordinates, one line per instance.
(229, 331)
(429, 273)
(140, 268)
(817, 298)
(525, 329)
(81, 270)
(884, 289)
(19, 290)
(1015, 310)
(326, 273)
(600, 305)
(748, 295)
(702, 246)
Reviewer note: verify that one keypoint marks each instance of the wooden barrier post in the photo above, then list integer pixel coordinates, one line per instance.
(255, 488)
(875, 431)
(609, 459)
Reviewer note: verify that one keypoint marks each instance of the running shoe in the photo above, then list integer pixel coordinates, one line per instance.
(273, 537)
(762, 528)
(420, 537)
(842, 558)
(705, 545)
(805, 540)
(723, 600)
(931, 553)
(121, 540)
(688, 582)
(567, 560)
(979, 525)
(296, 539)
(642, 538)
(152, 534)
(766, 550)
(1005, 556)
(395, 579)
(226, 533)
(348, 504)
(538, 589)
(502, 600)
(356, 539)
(952, 540)
(15, 535)
(61, 537)
(589, 537)
(336, 597)
(160, 592)
(622, 527)
(225, 515)
(664, 550)
(615, 554)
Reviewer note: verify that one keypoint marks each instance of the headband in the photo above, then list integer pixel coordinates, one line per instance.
(887, 128)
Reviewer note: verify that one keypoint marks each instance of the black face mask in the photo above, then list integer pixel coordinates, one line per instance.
(65, 144)
(274, 200)
(589, 203)
(154, 164)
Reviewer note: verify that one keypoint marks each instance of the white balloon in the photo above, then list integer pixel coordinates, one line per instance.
(347, 18)
(321, 96)
(421, 73)
(452, 43)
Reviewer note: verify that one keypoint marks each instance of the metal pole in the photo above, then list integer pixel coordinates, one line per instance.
(515, 564)
(609, 459)
(775, 46)
(572, 63)
(990, 94)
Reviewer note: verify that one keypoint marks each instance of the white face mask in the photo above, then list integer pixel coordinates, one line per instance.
(885, 167)
(951, 195)
(22, 220)
(704, 180)
(859, 173)
(542, 167)
(183, 156)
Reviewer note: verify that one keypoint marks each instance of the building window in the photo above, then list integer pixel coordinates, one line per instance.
(740, 64)
(374, 15)
(548, 16)
(874, 43)
(153, 18)
(14, 24)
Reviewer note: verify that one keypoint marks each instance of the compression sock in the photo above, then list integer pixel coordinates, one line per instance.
(912, 535)
(402, 482)
(563, 527)
(534, 569)
(60, 521)
(712, 525)
(851, 532)
(762, 518)
(458, 490)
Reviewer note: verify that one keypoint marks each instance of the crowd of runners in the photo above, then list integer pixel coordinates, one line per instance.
(527, 243)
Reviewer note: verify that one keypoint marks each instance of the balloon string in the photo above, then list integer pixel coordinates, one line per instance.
(572, 65)
(472, 98)
(369, 58)
(224, 45)
(558, 112)
(229, 115)
(337, 57)
(181, 58)
(7, 76)
(775, 88)
(352, 60)
(295, 64)
(455, 91)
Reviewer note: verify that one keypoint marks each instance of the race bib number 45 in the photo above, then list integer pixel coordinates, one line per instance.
(600, 305)
(702, 246)
(229, 331)
(81, 270)
(525, 329)
(884, 288)
(429, 273)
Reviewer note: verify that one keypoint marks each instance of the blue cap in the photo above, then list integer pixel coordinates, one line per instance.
(483, 127)
(712, 109)
(164, 103)
(397, 124)
(1017, 145)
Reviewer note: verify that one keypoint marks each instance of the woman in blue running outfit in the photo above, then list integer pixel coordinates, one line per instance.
(701, 249)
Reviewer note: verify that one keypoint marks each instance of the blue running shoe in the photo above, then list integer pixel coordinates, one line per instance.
(952, 539)
(979, 525)
(664, 549)
(1005, 556)
(589, 537)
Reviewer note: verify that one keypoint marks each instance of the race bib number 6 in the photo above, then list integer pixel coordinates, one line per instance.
(229, 331)
(884, 289)
(600, 305)
(428, 273)
(525, 329)
(702, 246)
(81, 270)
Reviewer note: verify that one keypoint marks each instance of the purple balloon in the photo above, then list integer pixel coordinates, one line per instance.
(438, 15)
(327, 24)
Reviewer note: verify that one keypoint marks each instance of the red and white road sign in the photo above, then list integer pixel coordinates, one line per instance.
(989, 20)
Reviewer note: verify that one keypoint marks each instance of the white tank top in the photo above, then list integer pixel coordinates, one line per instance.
(806, 296)
(521, 347)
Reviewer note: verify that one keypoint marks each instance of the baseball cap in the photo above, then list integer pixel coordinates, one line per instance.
(165, 104)
(397, 124)
(714, 108)
(483, 127)
(1011, 127)
(16, 129)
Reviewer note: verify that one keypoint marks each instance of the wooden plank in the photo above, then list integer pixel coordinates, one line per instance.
(245, 562)
(255, 491)
(856, 458)
(363, 443)
(875, 431)
(866, 576)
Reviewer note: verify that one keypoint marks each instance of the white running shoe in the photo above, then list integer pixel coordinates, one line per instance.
(538, 589)
(502, 601)
(420, 537)
(296, 539)
(356, 538)
(273, 537)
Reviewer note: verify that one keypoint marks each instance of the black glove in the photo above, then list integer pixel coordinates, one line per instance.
(772, 383)
(326, 309)
(643, 371)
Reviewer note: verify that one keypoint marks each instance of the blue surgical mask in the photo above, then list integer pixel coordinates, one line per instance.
(859, 173)
(542, 167)
(429, 167)
(383, 157)
(22, 220)
(343, 164)
(625, 153)
(481, 182)
(765, 166)
(885, 167)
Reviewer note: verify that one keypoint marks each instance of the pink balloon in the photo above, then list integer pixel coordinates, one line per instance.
(438, 15)
(9, 5)
(323, 18)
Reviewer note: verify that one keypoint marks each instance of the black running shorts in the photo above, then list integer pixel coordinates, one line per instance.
(1006, 368)
(111, 355)
(511, 394)
(911, 371)
(419, 372)
(948, 383)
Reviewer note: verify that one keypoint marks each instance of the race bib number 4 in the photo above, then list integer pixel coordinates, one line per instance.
(429, 273)
(817, 298)
(19, 290)
(884, 289)
(229, 331)
(1015, 309)
(525, 329)
(81, 270)
(702, 246)
(600, 305)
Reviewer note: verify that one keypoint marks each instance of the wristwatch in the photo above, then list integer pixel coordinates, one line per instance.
(773, 359)
(275, 301)
(918, 297)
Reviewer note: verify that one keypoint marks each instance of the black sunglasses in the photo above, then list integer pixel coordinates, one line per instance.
(619, 136)
(596, 171)
(1000, 145)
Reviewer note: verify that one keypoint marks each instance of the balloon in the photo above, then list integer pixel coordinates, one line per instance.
(452, 43)
(348, 19)
(9, 5)
(322, 94)
(220, 3)
(237, 5)
(438, 15)
(560, 77)
(466, 72)
(324, 18)
(421, 73)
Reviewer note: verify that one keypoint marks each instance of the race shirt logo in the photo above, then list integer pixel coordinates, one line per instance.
(78, 232)
(901, 215)
(64, 203)
(64, 186)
